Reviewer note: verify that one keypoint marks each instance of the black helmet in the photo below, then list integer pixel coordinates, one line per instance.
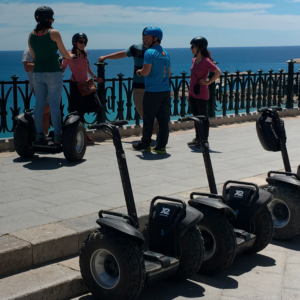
(78, 36)
(200, 42)
(43, 14)
(144, 30)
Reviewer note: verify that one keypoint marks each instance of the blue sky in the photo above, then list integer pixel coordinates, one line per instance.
(118, 24)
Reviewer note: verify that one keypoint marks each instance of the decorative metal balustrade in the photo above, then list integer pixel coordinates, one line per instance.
(231, 93)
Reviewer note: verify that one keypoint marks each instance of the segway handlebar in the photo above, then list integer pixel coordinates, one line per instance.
(242, 183)
(215, 196)
(194, 118)
(268, 108)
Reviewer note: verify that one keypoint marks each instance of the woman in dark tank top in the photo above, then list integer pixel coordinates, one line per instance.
(44, 42)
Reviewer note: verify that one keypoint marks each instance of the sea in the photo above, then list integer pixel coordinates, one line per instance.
(229, 59)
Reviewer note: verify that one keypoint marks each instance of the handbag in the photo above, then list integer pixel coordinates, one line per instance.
(87, 87)
(197, 85)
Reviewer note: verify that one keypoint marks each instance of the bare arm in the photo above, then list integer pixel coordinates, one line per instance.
(217, 74)
(56, 37)
(31, 50)
(145, 71)
(116, 55)
(98, 79)
(28, 66)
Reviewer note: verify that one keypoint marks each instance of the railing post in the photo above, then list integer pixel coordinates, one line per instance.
(16, 110)
(101, 115)
(290, 88)
(120, 115)
(183, 97)
(212, 96)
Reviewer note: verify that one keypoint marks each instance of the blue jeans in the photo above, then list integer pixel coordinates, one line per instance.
(51, 84)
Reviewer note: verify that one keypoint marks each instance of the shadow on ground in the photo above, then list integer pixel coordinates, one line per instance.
(152, 156)
(46, 163)
(199, 150)
(293, 244)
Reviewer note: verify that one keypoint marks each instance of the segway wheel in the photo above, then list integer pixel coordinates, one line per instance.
(112, 265)
(263, 229)
(285, 210)
(219, 242)
(74, 141)
(190, 249)
(22, 143)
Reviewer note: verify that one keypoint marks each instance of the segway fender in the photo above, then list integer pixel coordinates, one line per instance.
(284, 179)
(264, 198)
(122, 226)
(21, 118)
(72, 119)
(213, 203)
(191, 217)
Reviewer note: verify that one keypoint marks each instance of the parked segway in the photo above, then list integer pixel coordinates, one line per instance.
(285, 186)
(236, 222)
(73, 137)
(116, 261)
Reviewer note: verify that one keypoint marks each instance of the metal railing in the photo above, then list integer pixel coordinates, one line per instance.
(231, 93)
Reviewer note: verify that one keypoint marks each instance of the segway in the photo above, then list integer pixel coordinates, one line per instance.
(285, 186)
(73, 137)
(117, 260)
(236, 222)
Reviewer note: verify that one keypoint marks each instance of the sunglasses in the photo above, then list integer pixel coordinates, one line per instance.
(193, 46)
(81, 42)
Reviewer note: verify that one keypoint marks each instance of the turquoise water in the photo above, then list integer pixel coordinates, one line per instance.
(230, 59)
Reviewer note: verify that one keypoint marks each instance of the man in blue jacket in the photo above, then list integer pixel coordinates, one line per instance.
(156, 101)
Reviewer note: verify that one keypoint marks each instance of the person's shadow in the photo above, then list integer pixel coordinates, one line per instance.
(46, 163)
(153, 156)
(199, 150)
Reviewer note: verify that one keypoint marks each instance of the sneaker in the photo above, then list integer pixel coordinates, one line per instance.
(199, 145)
(89, 140)
(57, 139)
(159, 150)
(194, 142)
(141, 147)
(40, 138)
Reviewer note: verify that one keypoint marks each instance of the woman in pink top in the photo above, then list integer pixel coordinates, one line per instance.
(199, 95)
(80, 68)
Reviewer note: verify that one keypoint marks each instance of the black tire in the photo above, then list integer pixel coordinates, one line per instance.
(191, 251)
(21, 140)
(128, 258)
(219, 241)
(263, 229)
(285, 210)
(74, 141)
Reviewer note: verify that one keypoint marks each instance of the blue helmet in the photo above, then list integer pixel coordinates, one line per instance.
(154, 31)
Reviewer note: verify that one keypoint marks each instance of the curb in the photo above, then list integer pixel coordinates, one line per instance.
(131, 130)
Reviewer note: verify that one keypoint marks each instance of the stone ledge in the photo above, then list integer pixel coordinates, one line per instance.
(52, 282)
(7, 144)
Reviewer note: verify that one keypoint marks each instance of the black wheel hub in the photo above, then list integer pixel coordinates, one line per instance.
(208, 240)
(280, 211)
(111, 266)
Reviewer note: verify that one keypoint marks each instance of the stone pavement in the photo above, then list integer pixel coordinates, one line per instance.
(47, 188)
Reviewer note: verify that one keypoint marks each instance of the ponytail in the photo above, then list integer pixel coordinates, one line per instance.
(207, 54)
(43, 26)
